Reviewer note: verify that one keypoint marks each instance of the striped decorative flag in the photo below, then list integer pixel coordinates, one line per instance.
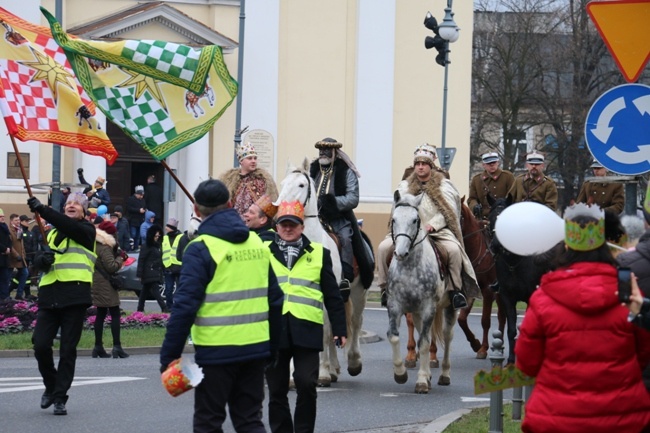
(163, 95)
(40, 98)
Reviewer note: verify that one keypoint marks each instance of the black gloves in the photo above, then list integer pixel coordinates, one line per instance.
(43, 260)
(35, 205)
(328, 208)
(477, 210)
(80, 170)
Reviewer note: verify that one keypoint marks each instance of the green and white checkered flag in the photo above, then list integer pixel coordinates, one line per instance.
(163, 95)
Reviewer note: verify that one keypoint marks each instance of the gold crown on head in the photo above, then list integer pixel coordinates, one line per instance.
(266, 205)
(290, 210)
(245, 150)
(586, 236)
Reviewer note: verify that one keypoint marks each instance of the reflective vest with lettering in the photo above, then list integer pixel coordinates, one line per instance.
(236, 307)
(303, 297)
(72, 262)
(169, 251)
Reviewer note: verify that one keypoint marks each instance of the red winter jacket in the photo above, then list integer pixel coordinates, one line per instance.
(587, 359)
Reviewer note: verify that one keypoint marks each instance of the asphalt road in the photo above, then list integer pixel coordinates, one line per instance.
(126, 394)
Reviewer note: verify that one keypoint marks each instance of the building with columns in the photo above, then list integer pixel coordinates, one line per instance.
(356, 71)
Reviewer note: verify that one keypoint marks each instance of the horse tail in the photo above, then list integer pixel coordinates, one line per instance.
(437, 328)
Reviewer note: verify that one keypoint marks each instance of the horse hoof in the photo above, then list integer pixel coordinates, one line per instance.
(334, 378)
(421, 388)
(481, 354)
(324, 383)
(434, 364)
(476, 345)
(354, 371)
(401, 378)
(444, 381)
(409, 364)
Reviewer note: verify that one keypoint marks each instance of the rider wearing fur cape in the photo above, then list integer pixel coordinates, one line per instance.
(440, 209)
(337, 187)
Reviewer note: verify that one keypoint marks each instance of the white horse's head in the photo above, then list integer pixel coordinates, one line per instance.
(299, 186)
(405, 224)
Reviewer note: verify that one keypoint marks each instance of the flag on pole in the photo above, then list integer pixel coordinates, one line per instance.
(40, 99)
(165, 96)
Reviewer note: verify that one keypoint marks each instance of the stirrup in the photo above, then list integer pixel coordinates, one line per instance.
(458, 300)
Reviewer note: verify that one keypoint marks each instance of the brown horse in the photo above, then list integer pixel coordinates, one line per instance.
(476, 240)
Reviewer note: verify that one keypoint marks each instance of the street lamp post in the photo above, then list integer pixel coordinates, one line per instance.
(446, 32)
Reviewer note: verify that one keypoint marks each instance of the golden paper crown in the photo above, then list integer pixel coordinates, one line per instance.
(584, 237)
(425, 153)
(292, 211)
(245, 150)
(266, 204)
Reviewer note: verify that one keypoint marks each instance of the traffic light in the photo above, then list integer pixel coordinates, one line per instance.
(437, 42)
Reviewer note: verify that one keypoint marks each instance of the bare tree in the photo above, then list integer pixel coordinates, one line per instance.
(538, 67)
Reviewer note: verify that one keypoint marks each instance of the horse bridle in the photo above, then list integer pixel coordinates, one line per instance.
(412, 240)
(308, 179)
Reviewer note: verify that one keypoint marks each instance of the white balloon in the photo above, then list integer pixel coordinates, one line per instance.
(529, 228)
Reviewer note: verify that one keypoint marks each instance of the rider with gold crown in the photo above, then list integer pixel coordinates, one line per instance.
(440, 214)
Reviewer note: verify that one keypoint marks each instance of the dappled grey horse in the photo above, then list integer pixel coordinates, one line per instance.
(415, 286)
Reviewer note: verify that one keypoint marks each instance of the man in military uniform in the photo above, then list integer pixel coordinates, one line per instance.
(534, 185)
(607, 195)
(493, 181)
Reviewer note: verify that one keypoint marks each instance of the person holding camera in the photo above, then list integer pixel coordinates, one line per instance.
(110, 259)
(63, 294)
(150, 268)
(577, 342)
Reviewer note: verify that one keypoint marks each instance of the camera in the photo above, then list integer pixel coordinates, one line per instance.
(624, 284)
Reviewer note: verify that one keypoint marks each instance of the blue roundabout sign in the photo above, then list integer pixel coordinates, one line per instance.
(617, 130)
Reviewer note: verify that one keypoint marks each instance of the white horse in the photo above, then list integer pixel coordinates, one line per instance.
(299, 186)
(415, 286)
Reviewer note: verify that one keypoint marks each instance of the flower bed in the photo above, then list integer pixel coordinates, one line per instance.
(20, 316)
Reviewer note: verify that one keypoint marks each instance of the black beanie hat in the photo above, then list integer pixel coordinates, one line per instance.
(211, 193)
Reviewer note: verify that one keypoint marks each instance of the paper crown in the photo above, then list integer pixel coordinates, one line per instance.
(266, 205)
(584, 236)
(328, 143)
(245, 150)
(291, 211)
(425, 153)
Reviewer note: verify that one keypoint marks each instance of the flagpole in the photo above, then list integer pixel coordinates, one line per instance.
(29, 188)
(177, 180)
(56, 150)
(240, 78)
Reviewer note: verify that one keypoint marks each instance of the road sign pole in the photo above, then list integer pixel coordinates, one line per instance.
(630, 197)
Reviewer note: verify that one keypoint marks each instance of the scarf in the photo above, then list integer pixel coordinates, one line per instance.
(291, 250)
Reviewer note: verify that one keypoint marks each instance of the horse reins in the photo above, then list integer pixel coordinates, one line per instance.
(412, 241)
(307, 178)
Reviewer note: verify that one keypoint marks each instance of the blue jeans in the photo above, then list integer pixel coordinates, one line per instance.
(21, 279)
(135, 235)
(171, 279)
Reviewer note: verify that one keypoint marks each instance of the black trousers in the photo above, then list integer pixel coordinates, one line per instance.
(305, 376)
(238, 385)
(57, 381)
(152, 288)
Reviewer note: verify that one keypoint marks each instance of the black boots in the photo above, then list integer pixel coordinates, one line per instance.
(59, 408)
(344, 287)
(458, 300)
(99, 352)
(118, 352)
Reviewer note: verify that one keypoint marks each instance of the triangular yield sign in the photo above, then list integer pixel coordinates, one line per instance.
(623, 25)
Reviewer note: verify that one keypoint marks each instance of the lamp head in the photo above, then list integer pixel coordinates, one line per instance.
(448, 29)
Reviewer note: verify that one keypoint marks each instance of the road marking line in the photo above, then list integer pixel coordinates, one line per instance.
(15, 384)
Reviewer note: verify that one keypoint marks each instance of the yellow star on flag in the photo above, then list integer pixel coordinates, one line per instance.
(48, 69)
(143, 83)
